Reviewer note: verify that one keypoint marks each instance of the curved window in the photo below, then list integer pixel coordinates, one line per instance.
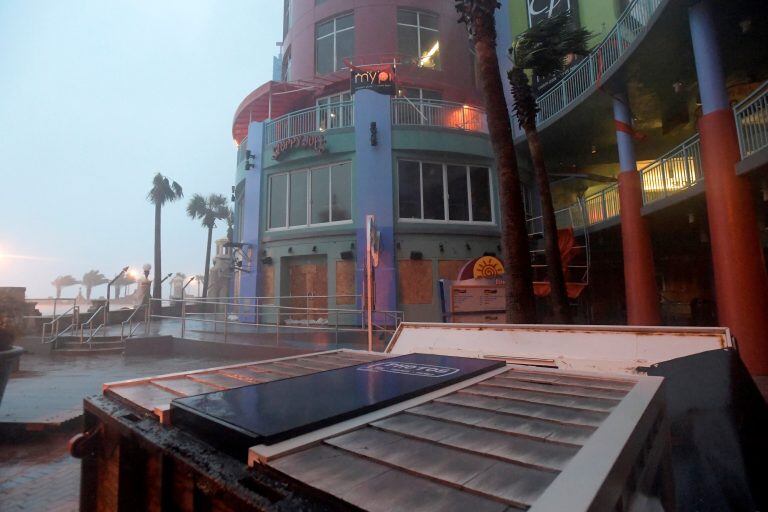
(334, 42)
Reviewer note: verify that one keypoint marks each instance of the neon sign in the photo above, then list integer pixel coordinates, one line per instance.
(317, 143)
(378, 80)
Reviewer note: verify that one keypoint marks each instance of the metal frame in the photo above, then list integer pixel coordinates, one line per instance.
(751, 116)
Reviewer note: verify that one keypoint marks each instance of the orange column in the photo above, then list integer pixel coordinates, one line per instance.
(639, 276)
(741, 281)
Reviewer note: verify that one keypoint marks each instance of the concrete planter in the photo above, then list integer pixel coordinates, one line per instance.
(8, 360)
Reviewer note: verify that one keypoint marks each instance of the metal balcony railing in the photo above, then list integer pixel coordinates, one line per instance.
(676, 171)
(310, 120)
(242, 149)
(752, 121)
(441, 114)
(632, 22)
(673, 172)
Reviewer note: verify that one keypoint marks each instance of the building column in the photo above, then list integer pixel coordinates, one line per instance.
(251, 229)
(374, 192)
(741, 283)
(639, 276)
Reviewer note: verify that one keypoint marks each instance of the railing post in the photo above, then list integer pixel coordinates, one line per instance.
(226, 320)
(183, 316)
(604, 206)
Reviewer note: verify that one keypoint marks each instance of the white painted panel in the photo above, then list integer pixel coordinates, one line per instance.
(587, 348)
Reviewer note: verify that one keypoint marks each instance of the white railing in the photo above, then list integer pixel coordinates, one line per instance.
(676, 171)
(590, 71)
(752, 121)
(310, 120)
(441, 114)
(242, 150)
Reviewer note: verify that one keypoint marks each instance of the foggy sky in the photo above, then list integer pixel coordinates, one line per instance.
(98, 95)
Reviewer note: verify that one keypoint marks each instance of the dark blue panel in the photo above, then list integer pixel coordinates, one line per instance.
(274, 411)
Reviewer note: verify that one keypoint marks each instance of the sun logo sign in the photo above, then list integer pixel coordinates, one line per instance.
(487, 267)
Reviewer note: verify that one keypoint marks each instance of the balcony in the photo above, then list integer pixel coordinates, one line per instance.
(595, 68)
(310, 120)
(752, 121)
(438, 114)
(678, 170)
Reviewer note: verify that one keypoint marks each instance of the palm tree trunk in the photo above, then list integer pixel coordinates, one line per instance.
(87, 293)
(521, 307)
(157, 292)
(558, 293)
(207, 262)
(58, 292)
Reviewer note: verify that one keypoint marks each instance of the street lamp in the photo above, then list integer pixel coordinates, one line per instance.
(106, 306)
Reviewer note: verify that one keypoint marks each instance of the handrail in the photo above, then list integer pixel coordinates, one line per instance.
(55, 322)
(318, 118)
(438, 113)
(242, 149)
(751, 116)
(94, 333)
(53, 340)
(89, 322)
(589, 72)
(129, 321)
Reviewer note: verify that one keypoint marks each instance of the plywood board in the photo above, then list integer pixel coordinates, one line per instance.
(449, 269)
(268, 280)
(415, 281)
(345, 282)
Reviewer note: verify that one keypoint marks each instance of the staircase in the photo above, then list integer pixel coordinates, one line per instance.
(71, 345)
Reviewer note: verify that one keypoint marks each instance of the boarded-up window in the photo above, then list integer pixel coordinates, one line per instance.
(449, 269)
(267, 281)
(415, 282)
(345, 282)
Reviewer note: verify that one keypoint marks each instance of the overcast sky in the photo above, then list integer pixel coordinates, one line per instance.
(98, 95)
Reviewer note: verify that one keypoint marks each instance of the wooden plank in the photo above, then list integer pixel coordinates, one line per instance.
(517, 449)
(275, 369)
(536, 410)
(415, 282)
(593, 404)
(376, 487)
(185, 386)
(560, 389)
(267, 280)
(556, 378)
(246, 374)
(453, 467)
(217, 379)
(504, 422)
(146, 395)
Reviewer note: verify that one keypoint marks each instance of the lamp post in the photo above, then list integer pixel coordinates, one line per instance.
(106, 305)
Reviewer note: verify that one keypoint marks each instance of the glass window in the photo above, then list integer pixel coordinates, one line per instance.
(432, 186)
(278, 197)
(304, 198)
(334, 42)
(298, 195)
(481, 194)
(443, 192)
(334, 111)
(320, 186)
(409, 187)
(341, 192)
(418, 37)
(458, 197)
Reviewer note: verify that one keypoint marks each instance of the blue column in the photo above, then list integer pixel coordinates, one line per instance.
(622, 115)
(709, 68)
(249, 282)
(374, 192)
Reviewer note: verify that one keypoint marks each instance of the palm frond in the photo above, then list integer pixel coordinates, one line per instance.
(544, 47)
(475, 13)
(163, 190)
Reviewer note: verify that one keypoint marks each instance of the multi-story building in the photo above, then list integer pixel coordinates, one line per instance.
(672, 105)
(315, 159)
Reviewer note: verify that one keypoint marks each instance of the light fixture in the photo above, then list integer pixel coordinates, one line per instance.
(593, 149)
(314, 248)
(417, 255)
(442, 248)
(426, 59)
(691, 218)
(290, 249)
(678, 87)
(469, 247)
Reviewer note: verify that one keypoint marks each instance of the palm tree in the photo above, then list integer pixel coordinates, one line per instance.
(208, 210)
(163, 191)
(62, 282)
(93, 278)
(543, 50)
(478, 15)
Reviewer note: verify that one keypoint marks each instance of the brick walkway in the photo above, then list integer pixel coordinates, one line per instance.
(37, 474)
